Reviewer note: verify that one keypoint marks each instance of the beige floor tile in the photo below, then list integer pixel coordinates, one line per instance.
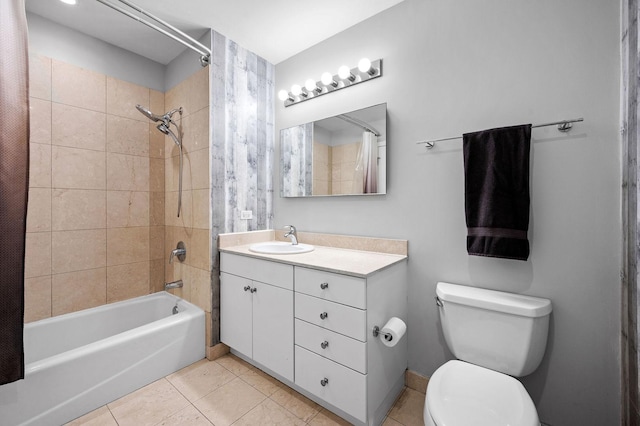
(390, 422)
(262, 381)
(408, 409)
(268, 413)
(234, 364)
(199, 379)
(188, 416)
(297, 403)
(229, 402)
(100, 417)
(149, 405)
(327, 418)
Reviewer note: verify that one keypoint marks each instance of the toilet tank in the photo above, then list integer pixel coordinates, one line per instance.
(501, 331)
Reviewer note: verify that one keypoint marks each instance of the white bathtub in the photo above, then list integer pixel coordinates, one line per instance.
(78, 362)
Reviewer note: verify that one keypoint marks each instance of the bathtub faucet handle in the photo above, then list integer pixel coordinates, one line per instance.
(180, 252)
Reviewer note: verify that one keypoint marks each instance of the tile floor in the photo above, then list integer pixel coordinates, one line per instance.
(229, 391)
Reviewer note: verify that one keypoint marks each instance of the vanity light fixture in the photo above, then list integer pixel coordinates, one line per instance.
(72, 2)
(346, 77)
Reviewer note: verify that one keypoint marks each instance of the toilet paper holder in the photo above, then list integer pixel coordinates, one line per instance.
(376, 332)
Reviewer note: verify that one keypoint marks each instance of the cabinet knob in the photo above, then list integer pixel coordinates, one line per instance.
(247, 288)
(324, 381)
(324, 344)
(254, 290)
(324, 315)
(324, 286)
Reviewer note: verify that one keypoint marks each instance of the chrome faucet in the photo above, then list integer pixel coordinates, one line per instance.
(180, 252)
(291, 233)
(173, 284)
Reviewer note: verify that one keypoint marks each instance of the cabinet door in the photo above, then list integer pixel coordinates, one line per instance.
(236, 313)
(273, 328)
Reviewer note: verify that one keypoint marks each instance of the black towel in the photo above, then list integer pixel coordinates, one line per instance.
(496, 169)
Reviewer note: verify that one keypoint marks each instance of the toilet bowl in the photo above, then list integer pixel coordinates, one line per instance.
(495, 335)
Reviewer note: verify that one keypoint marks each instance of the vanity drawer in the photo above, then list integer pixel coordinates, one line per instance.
(337, 288)
(344, 388)
(342, 349)
(264, 271)
(333, 316)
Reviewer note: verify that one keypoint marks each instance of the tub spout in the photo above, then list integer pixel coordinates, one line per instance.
(173, 284)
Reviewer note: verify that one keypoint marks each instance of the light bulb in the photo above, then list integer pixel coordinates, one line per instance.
(283, 95)
(344, 72)
(365, 66)
(68, 1)
(327, 79)
(296, 90)
(311, 85)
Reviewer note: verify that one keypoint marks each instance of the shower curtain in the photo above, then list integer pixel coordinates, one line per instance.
(366, 175)
(14, 175)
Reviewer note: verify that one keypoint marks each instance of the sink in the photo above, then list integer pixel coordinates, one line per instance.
(280, 247)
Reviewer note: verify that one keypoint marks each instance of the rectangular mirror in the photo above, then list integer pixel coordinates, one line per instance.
(341, 155)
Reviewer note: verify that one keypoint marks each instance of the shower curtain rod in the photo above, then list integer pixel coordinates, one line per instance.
(204, 51)
(563, 126)
(358, 123)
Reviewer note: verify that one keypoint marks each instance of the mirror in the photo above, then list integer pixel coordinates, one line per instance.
(341, 155)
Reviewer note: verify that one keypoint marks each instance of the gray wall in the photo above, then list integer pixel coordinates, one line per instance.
(452, 67)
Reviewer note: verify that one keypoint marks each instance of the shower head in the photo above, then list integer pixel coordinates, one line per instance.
(148, 114)
(164, 128)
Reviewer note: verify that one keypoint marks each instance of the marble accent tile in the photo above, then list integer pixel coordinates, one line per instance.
(156, 243)
(37, 298)
(122, 98)
(39, 210)
(78, 250)
(39, 121)
(188, 416)
(39, 165)
(229, 402)
(268, 413)
(74, 291)
(40, 77)
(127, 245)
(78, 127)
(156, 208)
(327, 418)
(127, 172)
(261, 381)
(100, 417)
(200, 282)
(77, 168)
(127, 281)
(298, 404)
(409, 407)
(234, 364)
(37, 254)
(127, 136)
(72, 85)
(200, 379)
(156, 174)
(127, 208)
(148, 405)
(73, 209)
(244, 238)
(201, 208)
(416, 381)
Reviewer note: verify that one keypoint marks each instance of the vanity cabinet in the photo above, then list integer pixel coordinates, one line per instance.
(256, 318)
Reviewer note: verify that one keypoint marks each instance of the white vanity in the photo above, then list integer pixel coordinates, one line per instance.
(308, 319)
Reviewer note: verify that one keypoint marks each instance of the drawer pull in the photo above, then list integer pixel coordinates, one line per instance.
(324, 344)
(254, 290)
(324, 381)
(324, 315)
(324, 286)
(247, 288)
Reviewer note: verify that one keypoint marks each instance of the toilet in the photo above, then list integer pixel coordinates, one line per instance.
(495, 337)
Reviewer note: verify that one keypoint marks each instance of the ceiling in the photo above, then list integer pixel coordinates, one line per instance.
(274, 29)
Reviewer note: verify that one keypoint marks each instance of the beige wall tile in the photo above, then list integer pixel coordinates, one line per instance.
(156, 275)
(200, 281)
(177, 97)
(156, 101)
(196, 131)
(37, 298)
(40, 77)
(39, 120)
(200, 169)
(127, 281)
(122, 98)
(156, 142)
(37, 254)
(156, 174)
(77, 168)
(127, 245)
(39, 165)
(127, 208)
(172, 173)
(156, 208)
(78, 250)
(78, 127)
(199, 90)
(201, 208)
(199, 252)
(74, 209)
(127, 172)
(156, 243)
(39, 210)
(170, 148)
(127, 136)
(79, 87)
(78, 290)
(171, 209)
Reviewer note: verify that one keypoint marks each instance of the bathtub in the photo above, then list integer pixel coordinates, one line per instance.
(77, 362)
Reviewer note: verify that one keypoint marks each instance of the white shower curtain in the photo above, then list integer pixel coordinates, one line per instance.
(366, 173)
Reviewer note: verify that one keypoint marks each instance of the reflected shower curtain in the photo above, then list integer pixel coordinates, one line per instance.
(366, 176)
(14, 174)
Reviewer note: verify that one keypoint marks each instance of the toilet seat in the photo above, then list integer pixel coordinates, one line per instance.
(463, 394)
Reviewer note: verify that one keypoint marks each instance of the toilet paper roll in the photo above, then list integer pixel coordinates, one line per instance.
(393, 331)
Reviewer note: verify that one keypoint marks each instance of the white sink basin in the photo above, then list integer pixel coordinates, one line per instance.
(280, 247)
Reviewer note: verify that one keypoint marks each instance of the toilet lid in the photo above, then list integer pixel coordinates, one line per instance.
(463, 394)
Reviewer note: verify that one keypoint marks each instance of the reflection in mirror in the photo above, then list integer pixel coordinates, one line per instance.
(341, 155)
